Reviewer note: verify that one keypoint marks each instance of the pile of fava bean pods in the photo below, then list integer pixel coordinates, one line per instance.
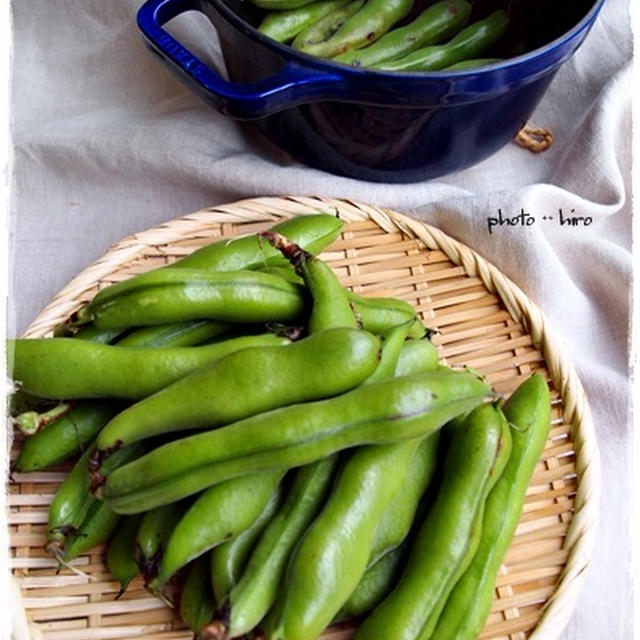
(389, 35)
(280, 452)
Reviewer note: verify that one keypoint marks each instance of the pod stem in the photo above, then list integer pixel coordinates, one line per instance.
(96, 460)
(149, 568)
(64, 330)
(55, 547)
(57, 537)
(96, 482)
(159, 593)
(30, 422)
(63, 563)
(78, 318)
(294, 253)
(290, 332)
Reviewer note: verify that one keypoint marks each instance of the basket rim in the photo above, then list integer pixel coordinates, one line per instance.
(582, 530)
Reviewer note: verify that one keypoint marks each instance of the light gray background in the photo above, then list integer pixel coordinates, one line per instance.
(105, 143)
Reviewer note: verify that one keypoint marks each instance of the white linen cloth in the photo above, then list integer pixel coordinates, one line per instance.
(106, 143)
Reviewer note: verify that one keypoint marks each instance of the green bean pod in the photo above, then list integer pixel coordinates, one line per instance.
(68, 368)
(376, 583)
(333, 554)
(417, 355)
(97, 527)
(473, 541)
(471, 42)
(121, 552)
(73, 499)
(229, 559)
(174, 334)
(502, 458)
(397, 520)
(392, 345)
(94, 334)
(363, 28)
(324, 28)
(69, 505)
(314, 232)
(36, 413)
(66, 436)
(85, 425)
(528, 410)
(153, 536)
(196, 599)
(445, 535)
(172, 295)
(380, 413)
(256, 591)
(284, 26)
(73, 432)
(330, 305)
(247, 382)
(219, 514)
(438, 22)
(378, 315)
(285, 271)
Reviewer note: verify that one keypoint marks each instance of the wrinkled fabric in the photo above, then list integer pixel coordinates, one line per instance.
(106, 142)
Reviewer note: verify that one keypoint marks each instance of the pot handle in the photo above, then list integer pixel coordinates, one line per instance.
(292, 86)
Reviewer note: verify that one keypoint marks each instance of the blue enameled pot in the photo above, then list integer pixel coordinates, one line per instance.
(370, 125)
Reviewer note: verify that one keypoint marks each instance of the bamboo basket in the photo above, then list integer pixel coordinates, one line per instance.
(483, 320)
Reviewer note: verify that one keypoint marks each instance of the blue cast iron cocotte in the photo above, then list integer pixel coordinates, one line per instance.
(371, 125)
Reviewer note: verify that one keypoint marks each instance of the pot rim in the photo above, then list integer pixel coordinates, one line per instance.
(549, 48)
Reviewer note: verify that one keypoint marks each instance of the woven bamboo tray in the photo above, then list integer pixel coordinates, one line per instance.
(483, 321)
